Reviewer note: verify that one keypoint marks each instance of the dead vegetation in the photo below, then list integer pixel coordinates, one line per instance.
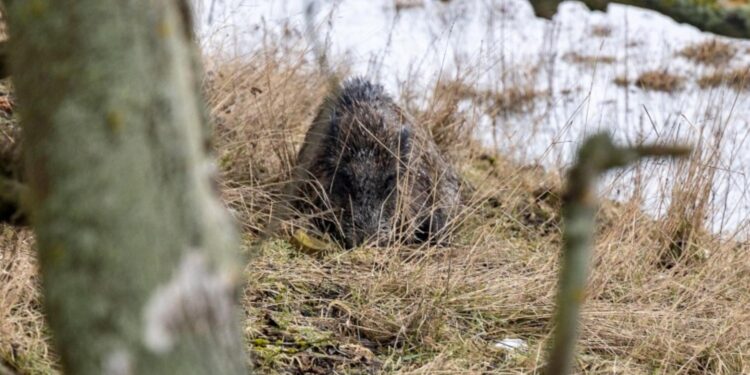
(588, 60)
(738, 79)
(24, 344)
(601, 31)
(428, 309)
(424, 310)
(515, 98)
(660, 80)
(407, 4)
(710, 52)
(621, 81)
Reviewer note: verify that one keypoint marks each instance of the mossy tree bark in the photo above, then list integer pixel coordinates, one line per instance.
(726, 18)
(136, 252)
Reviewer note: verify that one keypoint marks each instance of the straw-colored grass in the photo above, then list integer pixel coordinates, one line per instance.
(710, 52)
(429, 310)
(738, 79)
(660, 80)
(588, 60)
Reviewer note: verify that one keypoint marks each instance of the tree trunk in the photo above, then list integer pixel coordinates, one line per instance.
(136, 253)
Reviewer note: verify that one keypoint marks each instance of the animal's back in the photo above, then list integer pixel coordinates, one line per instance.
(362, 112)
(365, 110)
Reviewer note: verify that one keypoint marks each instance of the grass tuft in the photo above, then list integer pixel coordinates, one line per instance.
(660, 80)
(710, 52)
(588, 60)
(738, 79)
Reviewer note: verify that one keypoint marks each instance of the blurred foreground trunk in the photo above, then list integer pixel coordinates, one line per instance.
(136, 252)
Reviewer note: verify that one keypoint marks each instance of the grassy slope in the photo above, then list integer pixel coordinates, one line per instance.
(432, 310)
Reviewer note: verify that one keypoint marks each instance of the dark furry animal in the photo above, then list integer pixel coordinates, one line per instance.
(365, 171)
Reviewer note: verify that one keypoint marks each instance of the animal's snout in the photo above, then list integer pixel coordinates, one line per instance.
(364, 230)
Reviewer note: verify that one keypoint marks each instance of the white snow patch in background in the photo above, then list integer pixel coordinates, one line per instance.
(502, 42)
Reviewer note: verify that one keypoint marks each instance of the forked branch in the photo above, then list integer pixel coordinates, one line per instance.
(597, 155)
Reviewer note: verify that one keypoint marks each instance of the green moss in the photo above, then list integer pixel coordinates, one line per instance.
(309, 336)
(33, 362)
(226, 161)
(260, 342)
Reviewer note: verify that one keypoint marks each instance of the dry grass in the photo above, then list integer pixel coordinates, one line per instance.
(516, 98)
(23, 339)
(400, 5)
(426, 310)
(710, 52)
(690, 204)
(660, 80)
(621, 81)
(738, 79)
(601, 31)
(588, 60)
(23, 336)
(431, 310)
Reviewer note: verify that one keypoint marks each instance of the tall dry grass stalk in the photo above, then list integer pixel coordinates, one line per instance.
(24, 342)
(690, 205)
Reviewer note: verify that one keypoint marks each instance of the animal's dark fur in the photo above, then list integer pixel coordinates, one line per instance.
(373, 172)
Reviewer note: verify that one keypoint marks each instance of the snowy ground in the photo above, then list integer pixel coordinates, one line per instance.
(505, 45)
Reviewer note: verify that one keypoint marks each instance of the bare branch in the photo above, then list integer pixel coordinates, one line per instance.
(597, 155)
